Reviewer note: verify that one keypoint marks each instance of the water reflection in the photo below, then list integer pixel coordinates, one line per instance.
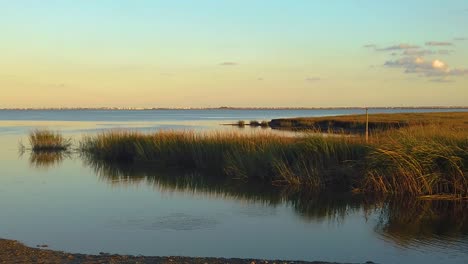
(47, 159)
(416, 222)
(405, 222)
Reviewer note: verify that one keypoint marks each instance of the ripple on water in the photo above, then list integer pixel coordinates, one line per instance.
(175, 221)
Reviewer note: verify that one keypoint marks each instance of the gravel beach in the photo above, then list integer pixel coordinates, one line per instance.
(12, 251)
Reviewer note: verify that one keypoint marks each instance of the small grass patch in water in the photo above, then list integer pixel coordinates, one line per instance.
(48, 141)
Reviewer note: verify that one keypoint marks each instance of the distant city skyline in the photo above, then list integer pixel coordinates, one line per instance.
(200, 53)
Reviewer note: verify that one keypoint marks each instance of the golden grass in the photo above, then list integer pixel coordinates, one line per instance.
(262, 156)
(418, 161)
(356, 123)
(46, 140)
(414, 160)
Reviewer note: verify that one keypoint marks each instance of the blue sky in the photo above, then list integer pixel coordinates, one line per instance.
(266, 53)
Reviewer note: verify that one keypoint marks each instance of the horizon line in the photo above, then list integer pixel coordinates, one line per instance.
(233, 108)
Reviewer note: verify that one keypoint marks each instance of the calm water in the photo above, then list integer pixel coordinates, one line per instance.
(79, 206)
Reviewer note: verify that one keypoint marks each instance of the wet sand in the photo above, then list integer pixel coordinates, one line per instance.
(15, 252)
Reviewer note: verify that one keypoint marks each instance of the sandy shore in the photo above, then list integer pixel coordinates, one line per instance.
(14, 252)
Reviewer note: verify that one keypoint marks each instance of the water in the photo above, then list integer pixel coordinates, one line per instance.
(82, 207)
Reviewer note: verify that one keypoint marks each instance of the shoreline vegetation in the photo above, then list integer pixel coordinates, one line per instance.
(411, 161)
(357, 123)
(427, 158)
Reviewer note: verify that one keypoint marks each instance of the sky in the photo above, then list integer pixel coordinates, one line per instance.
(244, 53)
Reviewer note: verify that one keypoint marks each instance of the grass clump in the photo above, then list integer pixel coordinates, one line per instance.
(254, 123)
(259, 157)
(419, 161)
(240, 123)
(413, 161)
(46, 140)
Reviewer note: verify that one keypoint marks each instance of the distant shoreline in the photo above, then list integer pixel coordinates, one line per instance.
(225, 108)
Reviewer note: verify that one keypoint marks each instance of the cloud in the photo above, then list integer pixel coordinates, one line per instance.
(370, 46)
(399, 47)
(228, 63)
(459, 39)
(419, 65)
(313, 79)
(438, 43)
(417, 52)
(411, 59)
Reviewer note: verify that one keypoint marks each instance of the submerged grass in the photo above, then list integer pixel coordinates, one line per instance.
(414, 160)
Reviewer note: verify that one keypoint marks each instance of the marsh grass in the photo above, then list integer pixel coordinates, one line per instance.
(419, 161)
(240, 123)
(312, 161)
(48, 141)
(377, 122)
(412, 161)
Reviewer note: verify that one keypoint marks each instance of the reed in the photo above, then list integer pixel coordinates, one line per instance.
(414, 160)
(48, 141)
(419, 161)
(312, 160)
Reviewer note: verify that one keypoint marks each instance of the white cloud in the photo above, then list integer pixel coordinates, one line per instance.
(437, 64)
(426, 68)
(411, 58)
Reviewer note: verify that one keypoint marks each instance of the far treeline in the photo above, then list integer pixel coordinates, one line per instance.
(426, 157)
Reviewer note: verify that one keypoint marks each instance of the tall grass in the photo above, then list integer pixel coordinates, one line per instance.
(418, 160)
(414, 160)
(46, 140)
(313, 160)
